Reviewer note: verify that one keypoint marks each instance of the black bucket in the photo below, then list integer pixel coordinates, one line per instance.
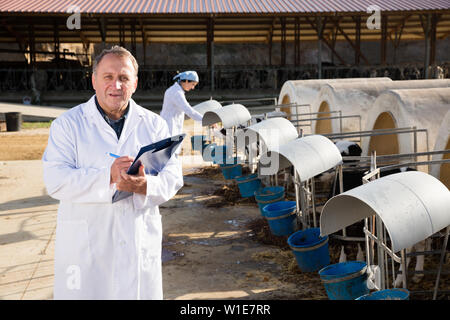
(13, 121)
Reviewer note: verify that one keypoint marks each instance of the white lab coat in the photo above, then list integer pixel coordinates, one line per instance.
(105, 250)
(174, 107)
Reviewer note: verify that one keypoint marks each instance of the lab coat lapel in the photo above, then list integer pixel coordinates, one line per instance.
(131, 122)
(94, 117)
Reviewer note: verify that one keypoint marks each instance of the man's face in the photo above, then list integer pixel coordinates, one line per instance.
(114, 82)
(188, 86)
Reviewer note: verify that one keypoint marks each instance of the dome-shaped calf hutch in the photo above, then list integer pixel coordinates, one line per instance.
(407, 108)
(355, 100)
(231, 116)
(304, 92)
(442, 171)
(208, 105)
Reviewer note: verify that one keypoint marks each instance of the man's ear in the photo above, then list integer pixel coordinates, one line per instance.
(135, 85)
(93, 80)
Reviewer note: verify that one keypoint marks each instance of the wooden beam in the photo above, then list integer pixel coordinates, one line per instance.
(401, 24)
(351, 43)
(326, 42)
(19, 38)
(444, 36)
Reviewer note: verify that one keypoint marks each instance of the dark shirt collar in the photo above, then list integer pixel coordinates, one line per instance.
(117, 125)
(107, 119)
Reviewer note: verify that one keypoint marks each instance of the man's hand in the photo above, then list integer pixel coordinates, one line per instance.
(133, 183)
(119, 165)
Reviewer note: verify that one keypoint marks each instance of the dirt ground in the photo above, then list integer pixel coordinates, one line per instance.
(216, 245)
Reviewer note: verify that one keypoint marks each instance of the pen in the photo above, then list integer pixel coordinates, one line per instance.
(114, 155)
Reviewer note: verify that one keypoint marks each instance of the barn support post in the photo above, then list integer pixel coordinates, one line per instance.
(210, 51)
(56, 40)
(121, 33)
(357, 39)
(283, 41)
(384, 23)
(102, 29)
(31, 44)
(434, 22)
(297, 42)
(133, 39)
(144, 42)
(319, 45)
(426, 29)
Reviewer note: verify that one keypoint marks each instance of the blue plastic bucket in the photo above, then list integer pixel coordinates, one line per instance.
(248, 185)
(267, 195)
(345, 280)
(310, 249)
(281, 217)
(231, 169)
(388, 294)
(198, 142)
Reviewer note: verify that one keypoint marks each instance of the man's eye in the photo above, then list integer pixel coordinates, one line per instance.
(108, 77)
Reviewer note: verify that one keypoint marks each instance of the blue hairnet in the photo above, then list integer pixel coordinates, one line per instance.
(187, 75)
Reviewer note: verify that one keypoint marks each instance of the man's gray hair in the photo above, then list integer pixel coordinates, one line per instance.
(118, 51)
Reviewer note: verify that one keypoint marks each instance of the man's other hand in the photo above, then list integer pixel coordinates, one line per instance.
(119, 165)
(133, 183)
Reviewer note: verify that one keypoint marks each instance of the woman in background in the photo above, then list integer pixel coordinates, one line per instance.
(175, 104)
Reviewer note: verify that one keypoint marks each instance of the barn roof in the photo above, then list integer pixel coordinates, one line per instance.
(217, 6)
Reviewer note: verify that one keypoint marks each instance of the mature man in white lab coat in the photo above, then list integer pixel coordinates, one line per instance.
(108, 250)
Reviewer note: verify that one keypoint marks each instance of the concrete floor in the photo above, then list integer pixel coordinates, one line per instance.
(27, 230)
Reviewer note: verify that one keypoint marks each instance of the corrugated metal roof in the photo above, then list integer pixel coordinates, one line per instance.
(217, 6)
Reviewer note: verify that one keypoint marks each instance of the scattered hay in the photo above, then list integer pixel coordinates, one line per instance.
(212, 172)
(229, 192)
(308, 284)
(228, 195)
(262, 232)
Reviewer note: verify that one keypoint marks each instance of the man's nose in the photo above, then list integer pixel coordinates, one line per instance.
(118, 84)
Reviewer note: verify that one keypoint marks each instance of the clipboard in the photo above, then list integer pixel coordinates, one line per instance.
(154, 158)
